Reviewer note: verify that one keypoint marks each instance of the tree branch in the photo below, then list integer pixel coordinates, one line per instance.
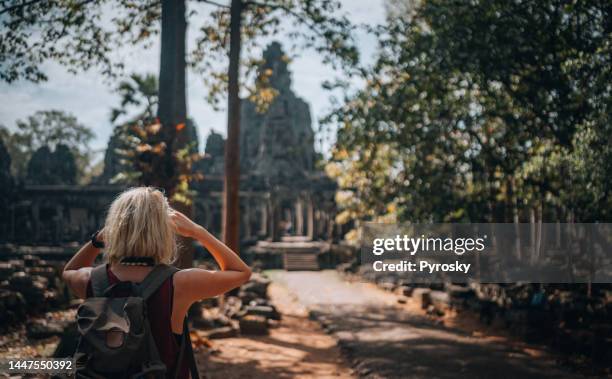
(214, 3)
(17, 6)
(82, 3)
(289, 11)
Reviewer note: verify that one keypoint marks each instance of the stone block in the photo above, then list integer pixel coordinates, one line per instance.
(31, 260)
(268, 312)
(223, 332)
(253, 325)
(440, 299)
(405, 290)
(6, 270)
(39, 329)
(421, 295)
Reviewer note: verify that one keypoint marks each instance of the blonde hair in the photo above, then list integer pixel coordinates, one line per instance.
(138, 225)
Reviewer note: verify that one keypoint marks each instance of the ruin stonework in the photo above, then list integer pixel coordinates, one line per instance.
(281, 191)
(52, 167)
(7, 184)
(6, 178)
(277, 144)
(113, 161)
(213, 161)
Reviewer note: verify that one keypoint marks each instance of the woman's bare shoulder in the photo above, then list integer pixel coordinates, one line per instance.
(186, 277)
(195, 284)
(78, 280)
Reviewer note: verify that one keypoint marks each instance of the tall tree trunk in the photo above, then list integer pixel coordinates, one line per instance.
(231, 200)
(172, 108)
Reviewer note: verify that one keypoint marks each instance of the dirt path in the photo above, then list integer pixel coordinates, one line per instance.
(382, 340)
(297, 348)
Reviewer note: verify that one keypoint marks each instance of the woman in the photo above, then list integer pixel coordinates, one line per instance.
(138, 234)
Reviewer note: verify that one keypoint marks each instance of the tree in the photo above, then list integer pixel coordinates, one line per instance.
(49, 129)
(5, 167)
(326, 33)
(136, 150)
(74, 34)
(231, 184)
(490, 109)
(7, 188)
(139, 91)
(172, 109)
(47, 167)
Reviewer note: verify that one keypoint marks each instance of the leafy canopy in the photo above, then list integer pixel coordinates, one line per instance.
(481, 111)
(49, 129)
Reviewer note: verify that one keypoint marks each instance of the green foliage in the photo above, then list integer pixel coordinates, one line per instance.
(71, 32)
(6, 178)
(47, 167)
(143, 148)
(76, 34)
(487, 109)
(590, 170)
(315, 24)
(140, 91)
(367, 188)
(149, 162)
(7, 185)
(48, 129)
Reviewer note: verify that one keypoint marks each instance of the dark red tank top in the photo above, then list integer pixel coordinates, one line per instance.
(168, 343)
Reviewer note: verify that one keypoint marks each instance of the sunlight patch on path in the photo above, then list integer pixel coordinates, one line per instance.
(381, 340)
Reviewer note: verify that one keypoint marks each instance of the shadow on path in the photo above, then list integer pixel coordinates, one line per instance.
(296, 348)
(381, 340)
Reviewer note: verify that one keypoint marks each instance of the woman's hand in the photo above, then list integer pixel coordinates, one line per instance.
(100, 235)
(183, 225)
(77, 271)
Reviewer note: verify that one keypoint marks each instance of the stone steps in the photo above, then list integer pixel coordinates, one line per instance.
(293, 261)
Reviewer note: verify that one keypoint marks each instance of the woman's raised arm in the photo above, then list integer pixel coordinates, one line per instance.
(197, 284)
(78, 269)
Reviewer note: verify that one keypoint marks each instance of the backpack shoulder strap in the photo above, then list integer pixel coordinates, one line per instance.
(99, 280)
(193, 367)
(188, 349)
(155, 278)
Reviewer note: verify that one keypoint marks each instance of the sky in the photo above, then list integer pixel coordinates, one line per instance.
(88, 97)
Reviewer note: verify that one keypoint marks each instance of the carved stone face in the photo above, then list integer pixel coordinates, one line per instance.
(276, 61)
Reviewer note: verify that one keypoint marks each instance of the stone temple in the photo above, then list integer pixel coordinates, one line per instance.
(282, 195)
(278, 145)
(281, 190)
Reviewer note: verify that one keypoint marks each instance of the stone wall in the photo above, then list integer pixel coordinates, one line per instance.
(281, 190)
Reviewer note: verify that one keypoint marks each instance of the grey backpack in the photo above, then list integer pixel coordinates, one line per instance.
(115, 333)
